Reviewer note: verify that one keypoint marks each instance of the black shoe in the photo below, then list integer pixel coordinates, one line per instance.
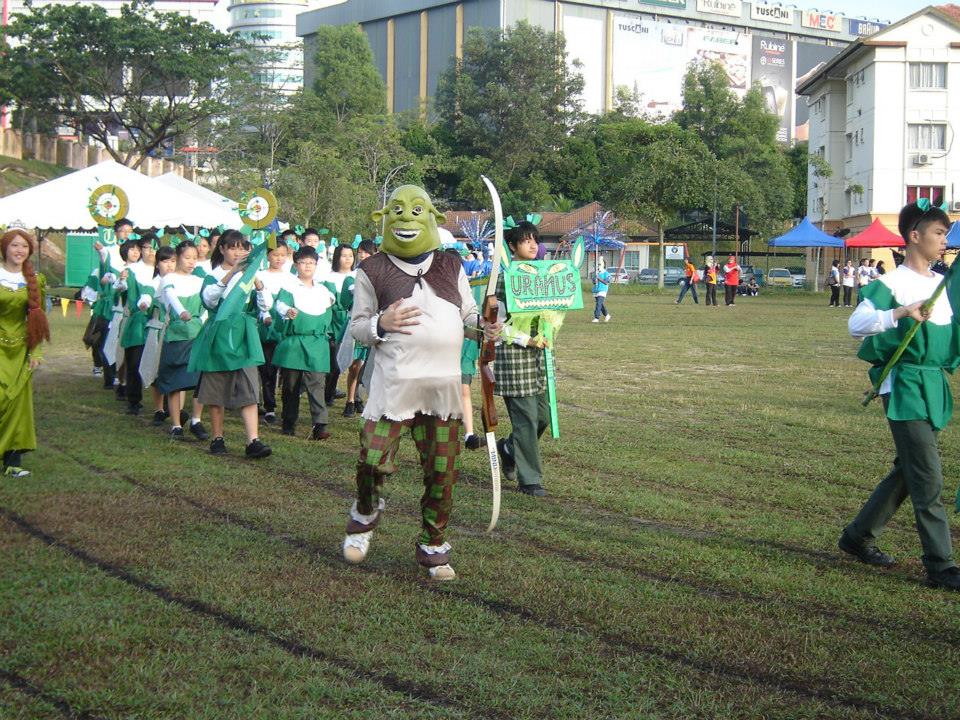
(159, 417)
(121, 392)
(218, 447)
(257, 450)
(948, 579)
(473, 442)
(288, 430)
(535, 490)
(349, 410)
(329, 403)
(319, 432)
(507, 462)
(339, 395)
(270, 417)
(868, 554)
(199, 431)
(358, 406)
(134, 410)
(184, 418)
(176, 433)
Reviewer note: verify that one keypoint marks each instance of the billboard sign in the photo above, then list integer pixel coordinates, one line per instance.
(862, 28)
(771, 13)
(773, 70)
(733, 8)
(817, 20)
(675, 4)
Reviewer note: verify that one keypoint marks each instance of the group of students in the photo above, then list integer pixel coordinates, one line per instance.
(225, 343)
(851, 276)
(710, 275)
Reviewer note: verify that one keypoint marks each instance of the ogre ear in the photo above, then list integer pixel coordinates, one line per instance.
(377, 215)
(440, 217)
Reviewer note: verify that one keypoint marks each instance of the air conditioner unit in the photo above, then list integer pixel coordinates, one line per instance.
(955, 206)
(923, 159)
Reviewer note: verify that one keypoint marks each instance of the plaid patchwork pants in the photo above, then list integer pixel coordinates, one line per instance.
(438, 443)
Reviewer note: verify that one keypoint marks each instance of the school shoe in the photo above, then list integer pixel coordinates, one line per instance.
(339, 395)
(868, 554)
(199, 431)
(176, 433)
(121, 392)
(12, 471)
(218, 447)
(159, 417)
(257, 450)
(349, 410)
(134, 409)
(595, 320)
(358, 406)
(288, 430)
(97, 372)
(948, 579)
(507, 462)
(534, 490)
(319, 432)
(472, 442)
(270, 417)
(607, 318)
(356, 546)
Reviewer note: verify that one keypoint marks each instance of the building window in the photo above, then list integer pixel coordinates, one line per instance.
(933, 193)
(928, 76)
(849, 146)
(927, 136)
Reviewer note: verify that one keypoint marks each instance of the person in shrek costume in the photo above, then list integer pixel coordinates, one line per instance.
(411, 305)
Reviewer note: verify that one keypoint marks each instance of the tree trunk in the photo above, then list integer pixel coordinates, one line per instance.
(660, 261)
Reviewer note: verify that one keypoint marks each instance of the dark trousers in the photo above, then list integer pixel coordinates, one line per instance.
(692, 287)
(847, 292)
(109, 371)
(268, 378)
(729, 294)
(711, 293)
(916, 472)
(834, 296)
(131, 362)
(333, 377)
(294, 382)
(530, 417)
(600, 307)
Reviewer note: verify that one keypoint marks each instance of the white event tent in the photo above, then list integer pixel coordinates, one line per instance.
(178, 182)
(61, 204)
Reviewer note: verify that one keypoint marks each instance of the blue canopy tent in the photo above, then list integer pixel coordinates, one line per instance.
(806, 235)
(953, 237)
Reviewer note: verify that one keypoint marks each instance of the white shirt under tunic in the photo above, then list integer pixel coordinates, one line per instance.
(419, 372)
(908, 287)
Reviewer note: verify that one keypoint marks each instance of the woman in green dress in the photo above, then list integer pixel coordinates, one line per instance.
(23, 326)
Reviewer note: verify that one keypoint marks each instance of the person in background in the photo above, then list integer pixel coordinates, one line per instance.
(690, 278)
(600, 289)
(731, 281)
(849, 280)
(833, 282)
(753, 289)
(710, 272)
(881, 269)
(863, 279)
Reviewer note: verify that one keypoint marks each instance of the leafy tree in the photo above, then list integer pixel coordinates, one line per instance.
(346, 81)
(145, 72)
(512, 100)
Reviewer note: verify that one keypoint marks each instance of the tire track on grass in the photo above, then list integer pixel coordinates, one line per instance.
(297, 648)
(614, 643)
(24, 686)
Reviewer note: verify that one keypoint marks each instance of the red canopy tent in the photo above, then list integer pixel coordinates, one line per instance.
(875, 236)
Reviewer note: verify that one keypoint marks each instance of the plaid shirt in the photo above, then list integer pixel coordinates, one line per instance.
(518, 371)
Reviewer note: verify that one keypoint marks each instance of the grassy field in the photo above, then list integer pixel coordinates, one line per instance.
(684, 565)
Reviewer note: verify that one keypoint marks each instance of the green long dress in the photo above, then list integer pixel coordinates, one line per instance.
(16, 388)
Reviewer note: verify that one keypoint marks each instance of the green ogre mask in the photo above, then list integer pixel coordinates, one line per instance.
(410, 226)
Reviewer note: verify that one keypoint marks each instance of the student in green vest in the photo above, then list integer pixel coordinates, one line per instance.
(303, 354)
(180, 296)
(354, 405)
(227, 351)
(274, 279)
(139, 297)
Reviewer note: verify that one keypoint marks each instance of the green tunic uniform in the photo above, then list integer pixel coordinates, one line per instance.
(305, 344)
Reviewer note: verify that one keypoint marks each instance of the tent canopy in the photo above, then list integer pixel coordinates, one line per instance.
(178, 182)
(806, 235)
(61, 203)
(875, 236)
(953, 237)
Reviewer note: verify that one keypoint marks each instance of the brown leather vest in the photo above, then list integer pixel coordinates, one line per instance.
(392, 284)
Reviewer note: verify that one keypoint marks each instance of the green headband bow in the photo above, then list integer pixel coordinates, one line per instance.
(509, 223)
(924, 204)
(299, 229)
(357, 239)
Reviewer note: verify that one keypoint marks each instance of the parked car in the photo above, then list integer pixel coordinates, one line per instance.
(620, 277)
(650, 276)
(780, 277)
(799, 276)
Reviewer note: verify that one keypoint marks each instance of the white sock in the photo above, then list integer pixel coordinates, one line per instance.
(194, 421)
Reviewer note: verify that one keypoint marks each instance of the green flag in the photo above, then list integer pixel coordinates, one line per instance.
(236, 300)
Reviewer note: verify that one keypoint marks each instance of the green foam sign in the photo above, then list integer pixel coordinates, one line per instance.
(537, 285)
(82, 258)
